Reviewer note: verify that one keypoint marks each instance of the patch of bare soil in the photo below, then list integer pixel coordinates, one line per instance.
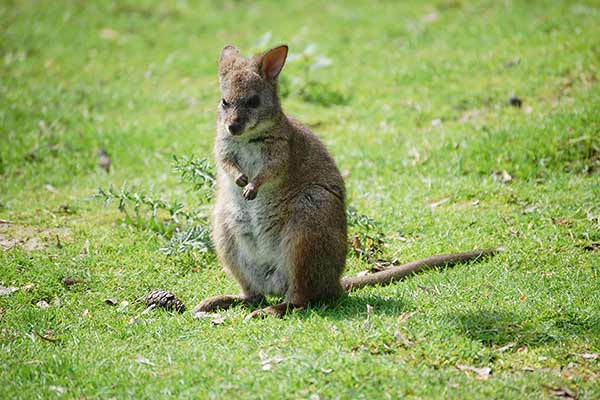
(30, 238)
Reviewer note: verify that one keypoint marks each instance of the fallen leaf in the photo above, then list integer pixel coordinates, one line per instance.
(5, 291)
(502, 176)
(42, 304)
(50, 188)
(505, 347)
(58, 389)
(143, 360)
(482, 373)
(589, 356)
(437, 203)
(522, 297)
(405, 316)
(402, 339)
(560, 392)
(204, 314)
(527, 369)
(110, 302)
(27, 287)
(561, 221)
(72, 281)
(47, 336)
(326, 370)
(523, 349)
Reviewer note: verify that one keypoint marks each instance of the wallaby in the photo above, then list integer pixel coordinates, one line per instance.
(279, 220)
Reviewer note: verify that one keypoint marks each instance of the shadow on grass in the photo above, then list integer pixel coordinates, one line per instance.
(354, 306)
(499, 328)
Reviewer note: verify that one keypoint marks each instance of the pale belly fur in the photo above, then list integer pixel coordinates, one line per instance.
(258, 235)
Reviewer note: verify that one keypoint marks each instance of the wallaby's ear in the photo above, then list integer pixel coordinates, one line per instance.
(273, 61)
(228, 55)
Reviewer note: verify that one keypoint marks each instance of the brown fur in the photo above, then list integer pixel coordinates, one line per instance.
(279, 221)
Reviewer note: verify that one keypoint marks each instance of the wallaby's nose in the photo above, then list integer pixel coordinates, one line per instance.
(235, 128)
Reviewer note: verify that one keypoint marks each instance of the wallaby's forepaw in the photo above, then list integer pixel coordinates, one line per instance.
(217, 303)
(241, 180)
(250, 191)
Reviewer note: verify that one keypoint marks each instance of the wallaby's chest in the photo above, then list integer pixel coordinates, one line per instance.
(250, 157)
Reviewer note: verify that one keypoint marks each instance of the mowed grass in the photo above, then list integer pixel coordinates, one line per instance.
(430, 149)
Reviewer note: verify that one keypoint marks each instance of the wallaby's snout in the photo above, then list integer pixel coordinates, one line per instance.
(235, 128)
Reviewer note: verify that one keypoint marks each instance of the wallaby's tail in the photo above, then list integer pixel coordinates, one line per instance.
(398, 272)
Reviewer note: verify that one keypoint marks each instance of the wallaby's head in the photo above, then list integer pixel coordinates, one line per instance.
(249, 99)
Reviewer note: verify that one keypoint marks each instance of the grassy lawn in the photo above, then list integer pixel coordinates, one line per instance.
(414, 106)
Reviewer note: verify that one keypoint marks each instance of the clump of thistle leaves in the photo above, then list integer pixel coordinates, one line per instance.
(184, 228)
(366, 237)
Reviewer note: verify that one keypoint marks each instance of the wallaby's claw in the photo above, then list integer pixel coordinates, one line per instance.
(250, 192)
(241, 180)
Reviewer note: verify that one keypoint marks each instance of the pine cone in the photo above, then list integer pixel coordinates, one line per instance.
(164, 299)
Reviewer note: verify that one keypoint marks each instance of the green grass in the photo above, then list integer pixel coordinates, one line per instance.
(139, 79)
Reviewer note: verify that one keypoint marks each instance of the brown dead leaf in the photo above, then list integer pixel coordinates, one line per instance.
(561, 221)
(522, 297)
(482, 373)
(561, 392)
(72, 281)
(48, 336)
(523, 349)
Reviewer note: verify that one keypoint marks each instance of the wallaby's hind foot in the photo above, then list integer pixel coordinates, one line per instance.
(224, 302)
(277, 311)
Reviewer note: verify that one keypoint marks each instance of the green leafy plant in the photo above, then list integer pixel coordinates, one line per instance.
(184, 228)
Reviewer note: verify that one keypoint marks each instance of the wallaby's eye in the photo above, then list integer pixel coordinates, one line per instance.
(224, 103)
(253, 102)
